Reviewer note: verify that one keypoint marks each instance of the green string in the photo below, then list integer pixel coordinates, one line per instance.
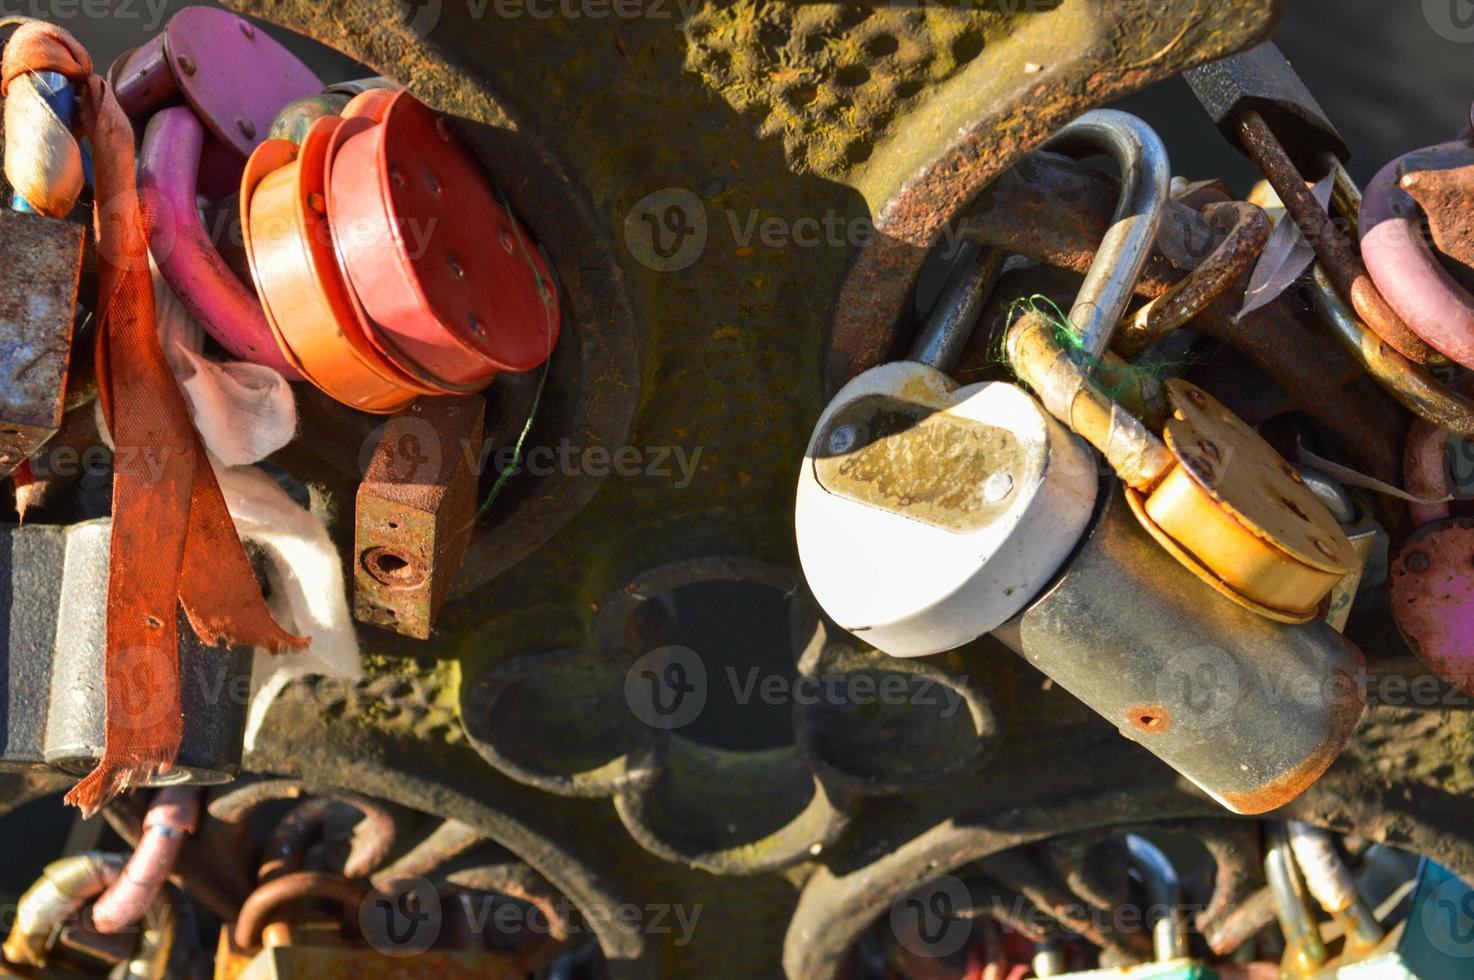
(1122, 380)
(547, 300)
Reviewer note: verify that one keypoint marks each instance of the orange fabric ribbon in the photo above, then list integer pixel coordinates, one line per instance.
(172, 537)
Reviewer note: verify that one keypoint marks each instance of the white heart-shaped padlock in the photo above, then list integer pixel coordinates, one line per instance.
(929, 514)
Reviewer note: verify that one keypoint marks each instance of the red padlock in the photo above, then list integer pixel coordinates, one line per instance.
(308, 305)
(455, 285)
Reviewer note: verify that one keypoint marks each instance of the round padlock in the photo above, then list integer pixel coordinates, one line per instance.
(382, 340)
(448, 275)
(305, 299)
(1239, 516)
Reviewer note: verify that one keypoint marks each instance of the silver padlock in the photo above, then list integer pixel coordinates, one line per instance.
(929, 514)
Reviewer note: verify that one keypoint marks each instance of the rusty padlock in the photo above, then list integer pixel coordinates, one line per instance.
(37, 309)
(1431, 580)
(414, 512)
(38, 300)
(233, 79)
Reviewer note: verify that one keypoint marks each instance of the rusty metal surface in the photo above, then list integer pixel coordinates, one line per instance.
(414, 512)
(272, 897)
(1441, 181)
(1336, 252)
(1053, 210)
(1245, 231)
(43, 267)
(1432, 590)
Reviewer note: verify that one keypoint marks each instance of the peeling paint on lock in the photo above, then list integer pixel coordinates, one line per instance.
(1251, 710)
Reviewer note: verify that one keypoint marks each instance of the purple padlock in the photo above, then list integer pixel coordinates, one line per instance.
(232, 79)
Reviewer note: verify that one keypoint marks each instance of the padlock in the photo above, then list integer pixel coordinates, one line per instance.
(316, 322)
(53, 712)
(1214, 493)
(1305, 949)
(38, 302)
(414, 512)
(1163, 889)
(453, 283)
(1251, 710)
(233, 80)
(1431, 579)
(1407, 272)
(927, 514)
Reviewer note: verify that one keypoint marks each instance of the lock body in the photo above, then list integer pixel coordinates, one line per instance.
(928, 514)
(1249, 709)
(43, 259)
(54, 705)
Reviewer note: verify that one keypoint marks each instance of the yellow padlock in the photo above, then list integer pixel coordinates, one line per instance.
(1212, 492)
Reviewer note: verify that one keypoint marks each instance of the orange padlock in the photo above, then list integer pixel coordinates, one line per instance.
(454, 285)
(306, 300)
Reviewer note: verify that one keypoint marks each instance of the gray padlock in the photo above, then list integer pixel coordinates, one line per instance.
(1251, 710)
(53, 627)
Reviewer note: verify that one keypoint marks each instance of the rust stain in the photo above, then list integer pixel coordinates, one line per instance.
(1154, 719)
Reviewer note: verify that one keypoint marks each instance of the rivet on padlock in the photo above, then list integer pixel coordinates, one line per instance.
(927, 514)
(1432, 577)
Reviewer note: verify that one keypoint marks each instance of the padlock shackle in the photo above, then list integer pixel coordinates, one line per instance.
(168, 172)
(1304, 947)
(1145, 189)
(955, 314)
(1164, 896)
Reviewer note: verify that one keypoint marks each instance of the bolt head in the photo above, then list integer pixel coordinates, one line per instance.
(842, 439)
(997, 487)
(247, 128)
(248, 29)
(1418, 561)
(187, 65)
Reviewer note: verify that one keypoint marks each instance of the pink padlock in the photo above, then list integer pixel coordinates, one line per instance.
(189, 261)
(1431, 580)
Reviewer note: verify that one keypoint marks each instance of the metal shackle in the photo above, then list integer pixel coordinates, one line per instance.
(1145, 189)
(954, 315)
